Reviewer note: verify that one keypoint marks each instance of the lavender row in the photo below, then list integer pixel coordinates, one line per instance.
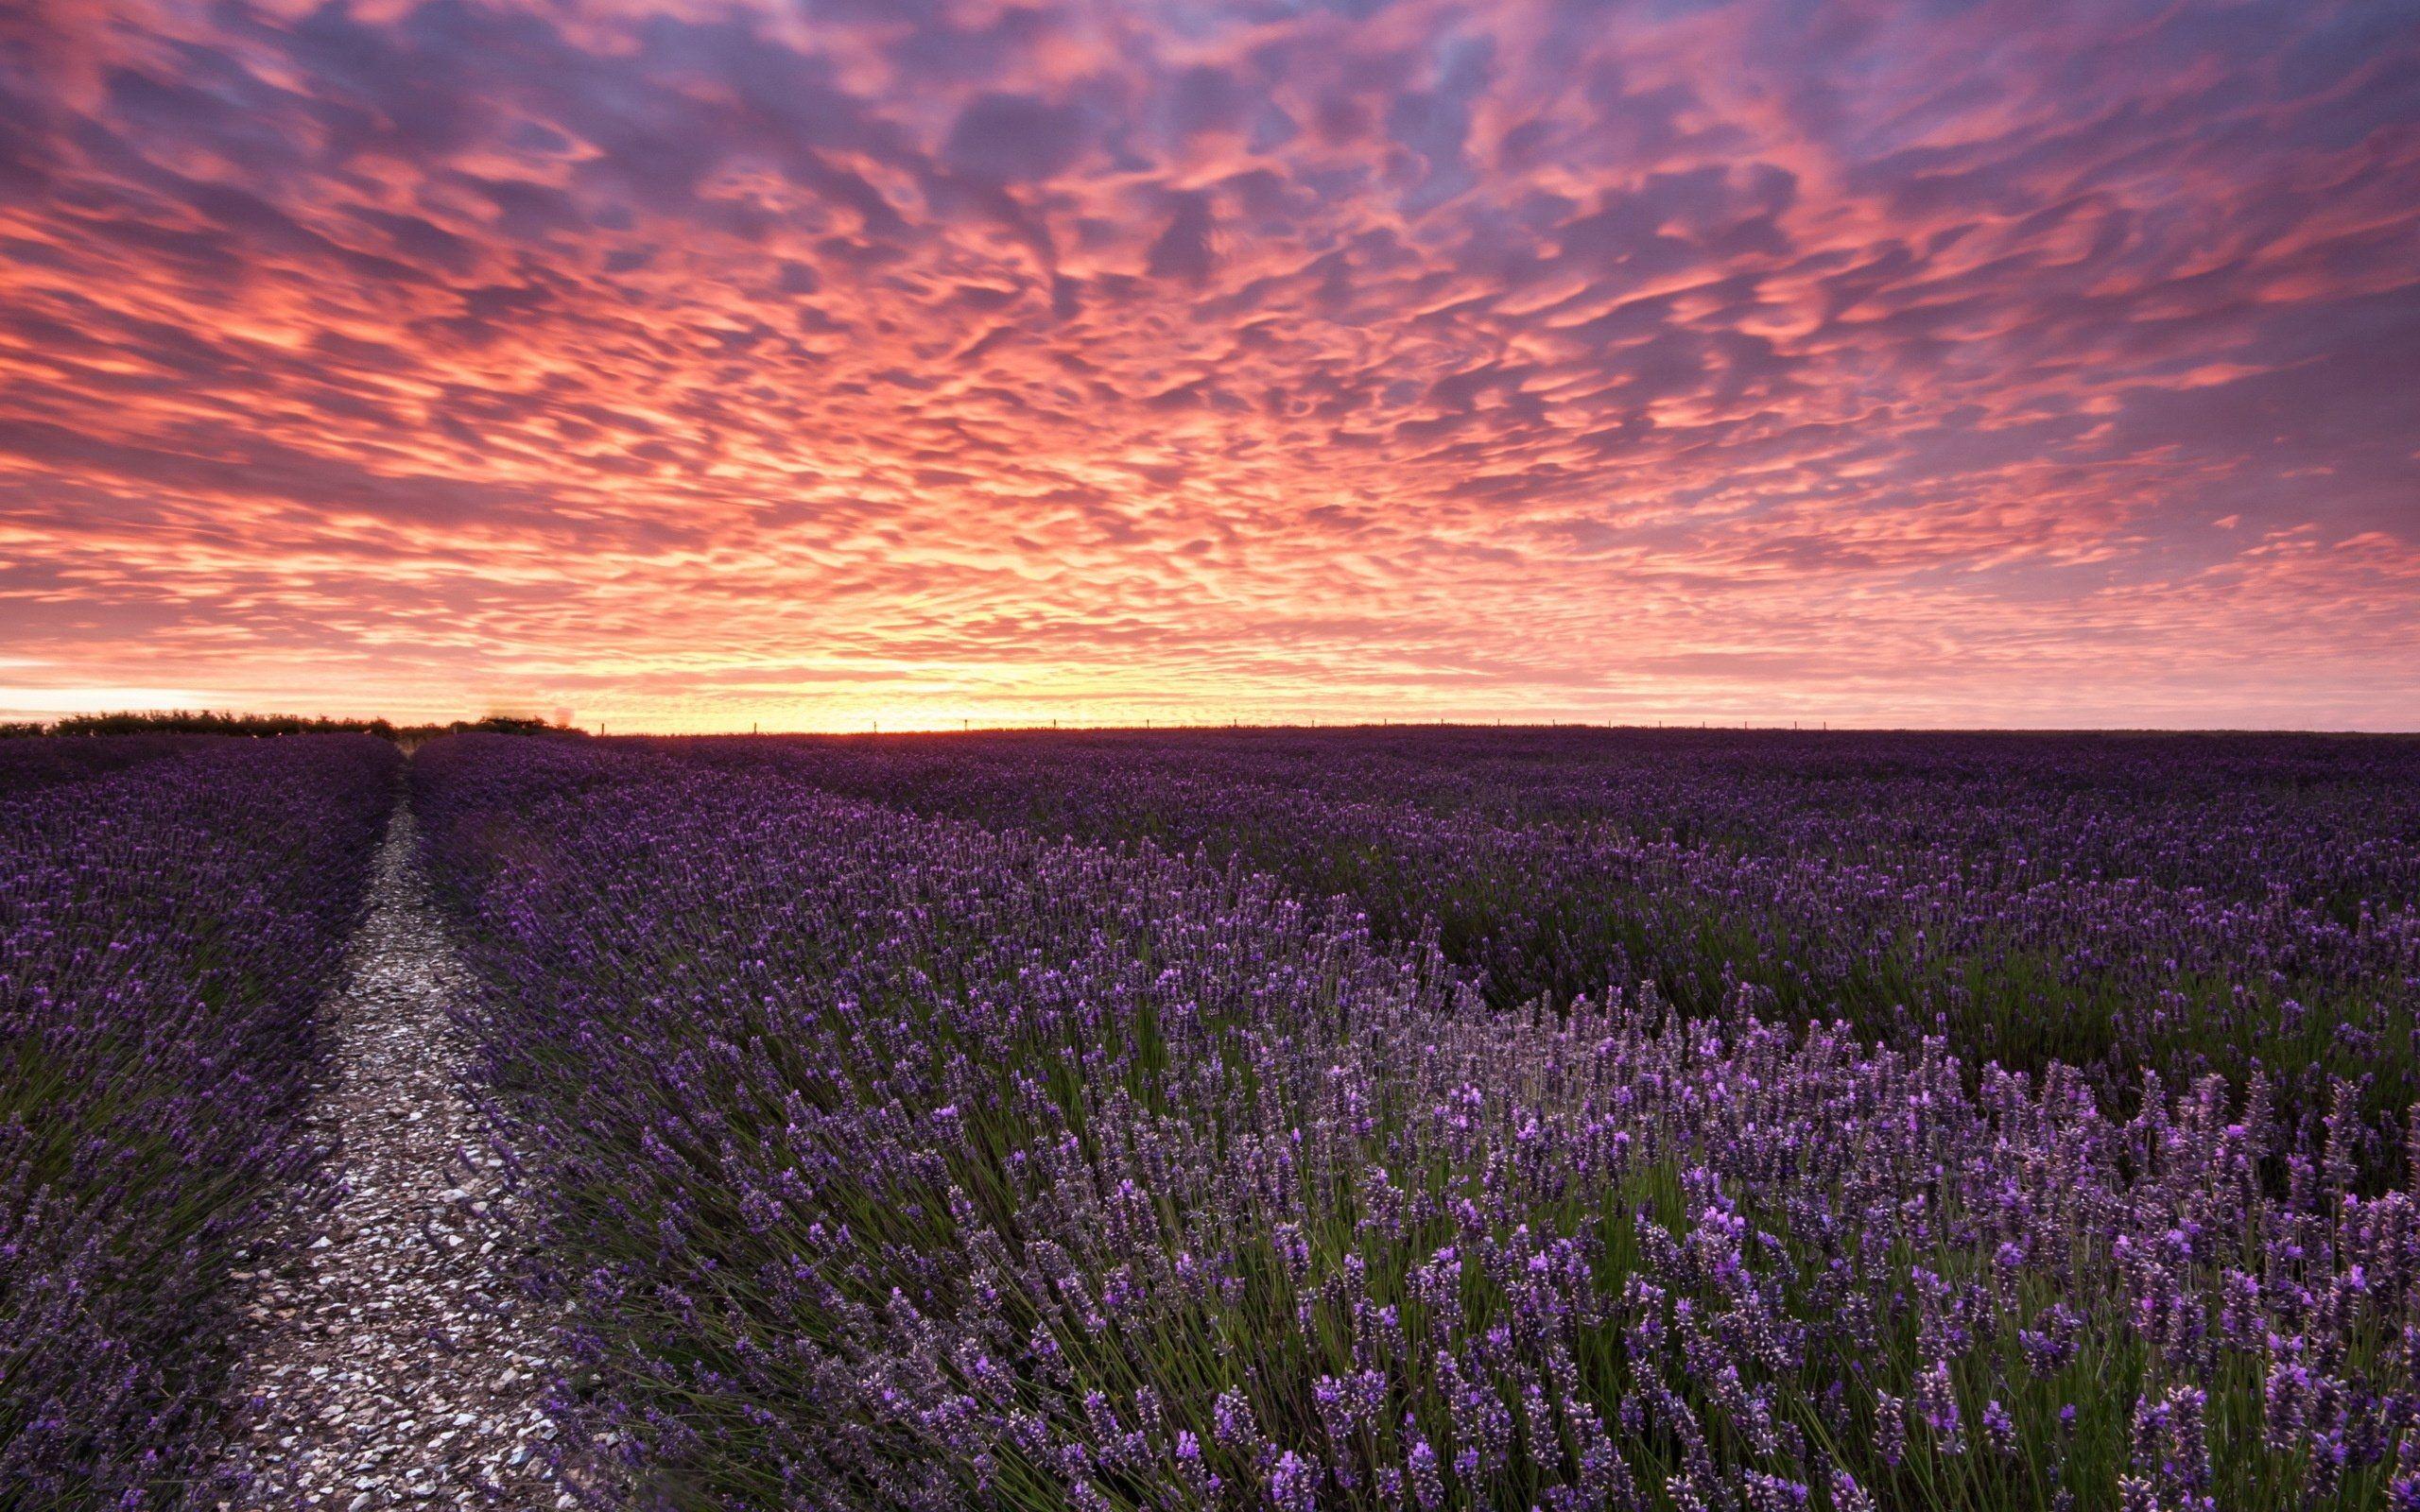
(169, 918)
(27, 763)
(2188, 903)
(907, 1163)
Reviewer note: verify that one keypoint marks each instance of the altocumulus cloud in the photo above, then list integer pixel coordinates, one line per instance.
(2013, 363)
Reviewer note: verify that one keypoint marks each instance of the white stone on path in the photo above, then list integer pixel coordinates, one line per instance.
(401, 1304)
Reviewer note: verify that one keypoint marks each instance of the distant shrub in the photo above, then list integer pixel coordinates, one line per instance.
(210, 722)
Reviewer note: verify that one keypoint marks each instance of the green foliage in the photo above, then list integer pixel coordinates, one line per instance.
(213, 722)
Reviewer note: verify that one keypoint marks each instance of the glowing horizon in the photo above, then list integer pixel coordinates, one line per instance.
(692, 364)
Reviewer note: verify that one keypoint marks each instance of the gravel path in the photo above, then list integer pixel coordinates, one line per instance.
(396, 1362)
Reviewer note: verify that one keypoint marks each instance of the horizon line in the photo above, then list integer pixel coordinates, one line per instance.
(1155, 725)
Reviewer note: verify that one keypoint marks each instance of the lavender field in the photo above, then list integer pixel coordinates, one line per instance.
(1282, 1120)
(1446, 1119)
(171, 913)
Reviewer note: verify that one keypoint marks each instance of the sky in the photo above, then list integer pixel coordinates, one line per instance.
(694, 366)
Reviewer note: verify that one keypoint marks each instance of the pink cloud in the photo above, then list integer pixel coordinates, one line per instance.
(690, 363)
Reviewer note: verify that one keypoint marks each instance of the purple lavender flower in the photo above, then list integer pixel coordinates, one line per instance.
(1059, 1157)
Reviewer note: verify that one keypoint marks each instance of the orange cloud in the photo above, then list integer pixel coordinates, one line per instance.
(691, 365)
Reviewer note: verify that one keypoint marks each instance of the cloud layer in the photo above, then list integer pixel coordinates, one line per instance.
(691, 364)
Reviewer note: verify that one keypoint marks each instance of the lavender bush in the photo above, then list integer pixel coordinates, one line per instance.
(898, 1163)
(2187, 904)
(170, 912)
(28, 762)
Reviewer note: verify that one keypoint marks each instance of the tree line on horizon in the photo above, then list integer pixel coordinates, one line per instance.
(212, 722)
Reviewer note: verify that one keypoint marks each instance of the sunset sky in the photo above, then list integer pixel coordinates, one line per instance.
(692, 364)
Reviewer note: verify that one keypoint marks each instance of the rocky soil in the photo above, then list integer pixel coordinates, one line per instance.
(395, 1360)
